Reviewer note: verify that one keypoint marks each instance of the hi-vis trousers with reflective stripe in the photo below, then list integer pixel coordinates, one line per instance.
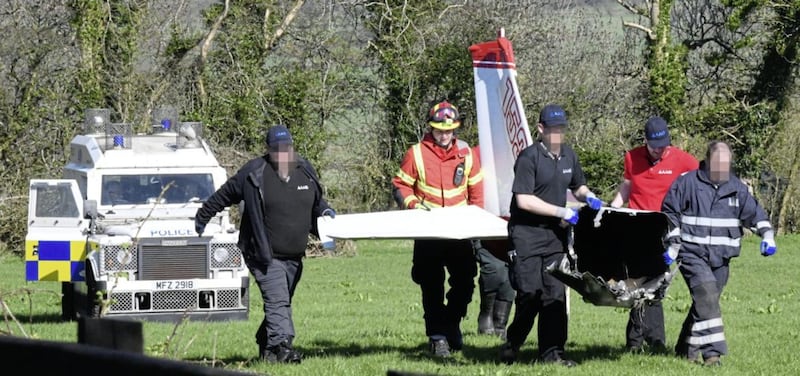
(702, 332)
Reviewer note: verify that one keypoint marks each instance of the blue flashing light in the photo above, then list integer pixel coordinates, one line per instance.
(166, 124)
(119, 141)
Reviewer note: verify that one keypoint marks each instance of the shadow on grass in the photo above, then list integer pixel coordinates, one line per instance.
(354, 349)
(227, 363)
(50, 318)
(468, 355)
(529, 353)
(351, 350)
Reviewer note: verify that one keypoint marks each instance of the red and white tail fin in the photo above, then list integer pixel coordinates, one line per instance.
(502, 126)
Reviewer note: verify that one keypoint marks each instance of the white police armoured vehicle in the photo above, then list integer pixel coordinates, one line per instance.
(118, 229)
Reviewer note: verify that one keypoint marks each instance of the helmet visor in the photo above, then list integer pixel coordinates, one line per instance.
(444, 117)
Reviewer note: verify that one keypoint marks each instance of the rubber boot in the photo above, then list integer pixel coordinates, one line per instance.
(502, 309)
(485, 317)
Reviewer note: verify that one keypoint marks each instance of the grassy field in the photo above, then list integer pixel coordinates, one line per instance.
(361, 315)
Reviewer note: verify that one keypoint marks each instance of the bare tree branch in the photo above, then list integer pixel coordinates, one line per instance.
(633, 9)
(265, 29)
(449, 7)
(285, 24)
(634, 25)
(206, 46)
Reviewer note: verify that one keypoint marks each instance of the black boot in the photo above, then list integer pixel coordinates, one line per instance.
(485, 317)
(282, 353)
(502, 309)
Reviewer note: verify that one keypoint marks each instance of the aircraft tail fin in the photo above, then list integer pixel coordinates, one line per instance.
(503, 130)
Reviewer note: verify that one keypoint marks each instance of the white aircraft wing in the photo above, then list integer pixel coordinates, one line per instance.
(458, 222)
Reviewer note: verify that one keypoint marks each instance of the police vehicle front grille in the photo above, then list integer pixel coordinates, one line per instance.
(118, 258)
(121, 302)
(228, 299)
(166, 262)
(175, 300)
(233, 259)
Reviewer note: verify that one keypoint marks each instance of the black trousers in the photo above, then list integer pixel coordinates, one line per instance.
(494, 276)
(539, 294)
(277, 282)
(431, 259)
(646, 325)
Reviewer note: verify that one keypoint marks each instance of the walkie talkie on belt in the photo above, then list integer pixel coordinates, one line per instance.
(458, 176)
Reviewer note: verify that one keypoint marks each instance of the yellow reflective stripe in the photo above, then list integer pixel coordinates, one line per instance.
(468, 162)
(408, 200)
(417, 148)
(455, 192)
(431, 191)
(445, 126)
(475, 179)
(436, 191)
(405, 177)
(460, 203)
(431, 204)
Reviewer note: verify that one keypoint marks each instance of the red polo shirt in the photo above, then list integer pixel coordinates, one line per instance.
(650, 182)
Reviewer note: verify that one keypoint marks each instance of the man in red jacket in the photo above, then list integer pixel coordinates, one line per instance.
(441, 171)
(649, 171)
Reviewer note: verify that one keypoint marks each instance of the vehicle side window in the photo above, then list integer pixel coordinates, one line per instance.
(55, 201)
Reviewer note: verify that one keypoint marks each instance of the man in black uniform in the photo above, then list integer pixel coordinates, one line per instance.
(282, 198)
(538, 233)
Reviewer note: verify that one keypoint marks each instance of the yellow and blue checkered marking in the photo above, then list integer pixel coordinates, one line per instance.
(55, 260)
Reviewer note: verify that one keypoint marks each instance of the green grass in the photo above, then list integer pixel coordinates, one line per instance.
(362, 315)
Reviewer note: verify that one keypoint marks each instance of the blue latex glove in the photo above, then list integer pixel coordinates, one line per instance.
(199, 227)
(329, 212)
(571, 216)
(671, 254)
(667, 258)
(593, 202)
(768, 247)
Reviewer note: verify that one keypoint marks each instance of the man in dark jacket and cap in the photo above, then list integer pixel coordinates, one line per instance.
(282, 198)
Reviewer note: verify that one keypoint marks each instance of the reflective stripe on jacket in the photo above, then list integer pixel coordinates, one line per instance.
(427, 175)
(708, 220)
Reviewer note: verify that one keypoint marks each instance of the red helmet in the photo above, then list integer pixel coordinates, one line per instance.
(444, 116)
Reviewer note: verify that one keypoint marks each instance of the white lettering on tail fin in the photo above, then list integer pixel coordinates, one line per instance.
(502, 126)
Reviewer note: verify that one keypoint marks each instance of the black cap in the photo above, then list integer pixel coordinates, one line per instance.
(553, 115)
(278, 135)
(656, 132)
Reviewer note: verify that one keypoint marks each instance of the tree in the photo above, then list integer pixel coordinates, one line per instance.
(36, 67)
